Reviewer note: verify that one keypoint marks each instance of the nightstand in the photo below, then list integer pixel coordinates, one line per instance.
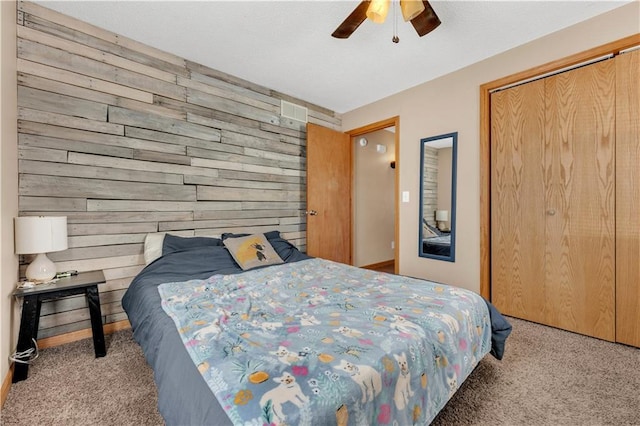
(84, 283)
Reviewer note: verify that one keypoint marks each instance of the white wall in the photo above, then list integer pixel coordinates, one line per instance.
(452, 103)
(8, 180)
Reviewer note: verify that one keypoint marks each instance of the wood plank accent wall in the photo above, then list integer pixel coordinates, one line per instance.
(125, 139)
(430, 185)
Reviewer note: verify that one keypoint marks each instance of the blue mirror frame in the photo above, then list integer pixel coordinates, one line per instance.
(441, 247)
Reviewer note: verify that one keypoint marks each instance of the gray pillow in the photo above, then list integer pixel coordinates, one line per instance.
(174, 243)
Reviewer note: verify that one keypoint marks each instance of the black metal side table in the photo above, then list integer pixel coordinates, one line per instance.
(83, 283)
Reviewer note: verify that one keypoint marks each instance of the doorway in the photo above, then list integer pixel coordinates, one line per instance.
(375, 171)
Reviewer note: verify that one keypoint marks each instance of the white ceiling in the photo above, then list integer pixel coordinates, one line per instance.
(287, 45)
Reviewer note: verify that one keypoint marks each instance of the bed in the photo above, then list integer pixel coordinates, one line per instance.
(435, 241)
(439, 245)
(305, 341)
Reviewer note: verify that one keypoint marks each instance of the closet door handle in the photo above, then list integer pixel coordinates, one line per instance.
(551, 212)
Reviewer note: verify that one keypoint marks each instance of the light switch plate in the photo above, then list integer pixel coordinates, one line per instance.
(405, 196)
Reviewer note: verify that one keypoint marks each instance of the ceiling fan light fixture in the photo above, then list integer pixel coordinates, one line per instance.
(423, 22)
(411, 8)
(378, 10)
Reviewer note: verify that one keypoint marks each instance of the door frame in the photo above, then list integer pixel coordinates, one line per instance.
(379, 125)
(613, 47)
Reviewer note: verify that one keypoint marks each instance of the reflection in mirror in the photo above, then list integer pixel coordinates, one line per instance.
(437, 228)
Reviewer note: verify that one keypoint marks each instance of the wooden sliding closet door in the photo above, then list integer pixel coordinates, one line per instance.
(580, 200)
(518, 201)
(553, 200)
(628, 198)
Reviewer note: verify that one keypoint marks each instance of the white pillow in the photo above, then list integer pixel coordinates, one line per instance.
(153, 246)
(427, 232)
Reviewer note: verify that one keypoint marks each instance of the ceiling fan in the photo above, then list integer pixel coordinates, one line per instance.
(419, 12)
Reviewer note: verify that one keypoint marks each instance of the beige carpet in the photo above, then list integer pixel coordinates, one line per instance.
(67, 385)
(548, 377)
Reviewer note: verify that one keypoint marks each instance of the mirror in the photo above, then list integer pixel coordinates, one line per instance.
(437, 228)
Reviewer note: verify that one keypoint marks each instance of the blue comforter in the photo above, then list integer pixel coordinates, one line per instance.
(183, 397)
(183, 393)
(314, 341)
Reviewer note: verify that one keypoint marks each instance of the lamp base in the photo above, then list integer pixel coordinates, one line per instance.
(41, 269)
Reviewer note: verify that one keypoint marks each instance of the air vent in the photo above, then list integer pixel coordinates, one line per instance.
(293, 111)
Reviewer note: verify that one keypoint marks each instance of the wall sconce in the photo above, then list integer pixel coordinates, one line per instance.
(363, 142)
(442, 216)
(40, 235)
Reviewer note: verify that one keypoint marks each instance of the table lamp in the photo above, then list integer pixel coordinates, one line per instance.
(40, 235)
(441, 217)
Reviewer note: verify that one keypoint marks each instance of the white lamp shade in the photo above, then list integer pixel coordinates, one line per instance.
(442, 215)
(40, 234)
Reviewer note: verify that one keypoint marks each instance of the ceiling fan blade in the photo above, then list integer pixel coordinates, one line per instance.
(427, 21)
(353, 21)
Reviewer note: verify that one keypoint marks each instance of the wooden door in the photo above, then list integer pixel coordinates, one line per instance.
(580, 199)
(517, 201)
(553, 200)
(628, 198)
(328, 194)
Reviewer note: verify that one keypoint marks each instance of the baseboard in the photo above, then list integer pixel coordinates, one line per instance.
(6, 386)
(379, 264)
(72, 336)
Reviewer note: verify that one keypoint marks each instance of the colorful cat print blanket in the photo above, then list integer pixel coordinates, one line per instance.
(317, 342)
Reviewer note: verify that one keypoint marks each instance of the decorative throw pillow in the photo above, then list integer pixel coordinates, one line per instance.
(252, 251)
(271, 235)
